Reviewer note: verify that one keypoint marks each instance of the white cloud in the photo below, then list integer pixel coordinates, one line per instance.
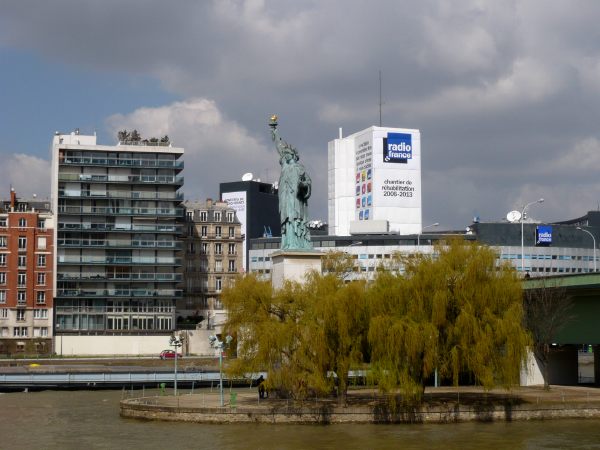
(27, 174)
(216, 149)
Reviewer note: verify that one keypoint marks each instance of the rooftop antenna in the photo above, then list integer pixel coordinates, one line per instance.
(380, 99)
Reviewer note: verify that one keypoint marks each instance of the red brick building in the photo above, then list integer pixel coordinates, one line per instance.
(26, 276)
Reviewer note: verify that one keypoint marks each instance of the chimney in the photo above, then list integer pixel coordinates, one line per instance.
(13, 199)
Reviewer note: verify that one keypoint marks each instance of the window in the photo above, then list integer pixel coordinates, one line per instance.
(41, 224)
(40, 332)
(22, 261)
(21, 279)
(22, 222)
(230, 216)
(231, 250)
(2, 259)
(204, 231)
(4, 313)
(2, 277)
(231, 232)
(191, 248)
(231, 266)
(203, 216)
(41, 243)
(22, 243)
(189, 215)
(20, 314)
(204, 248)
(21, 296)
(218, 232)
(217, 216)
(41, 297)
(219, 266)
(2, 296)
(3, 222)
(20, 331)
(2, 241)
(218, 249)
(41, 279)
(41, 260)
(40, 313)
(218, 284)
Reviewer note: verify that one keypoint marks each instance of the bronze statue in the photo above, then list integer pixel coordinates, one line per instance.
(294, 192)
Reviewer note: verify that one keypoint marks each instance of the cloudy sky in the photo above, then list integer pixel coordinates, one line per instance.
(506, 94)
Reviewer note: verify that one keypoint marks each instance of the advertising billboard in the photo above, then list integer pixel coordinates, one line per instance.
(388, 178)
(237, 201)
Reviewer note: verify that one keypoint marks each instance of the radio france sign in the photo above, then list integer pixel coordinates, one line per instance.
(543, 235)
(397, 148)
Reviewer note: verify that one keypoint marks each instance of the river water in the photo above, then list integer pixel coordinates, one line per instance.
(90, 419)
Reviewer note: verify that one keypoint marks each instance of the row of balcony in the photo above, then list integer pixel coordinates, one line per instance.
(119, 211)
(81, 293)
(120, 162)
(99, 309)
(99, 277)
(97, 178)
(134, 195)
(156, 228)
(145, 260)
(119, 243)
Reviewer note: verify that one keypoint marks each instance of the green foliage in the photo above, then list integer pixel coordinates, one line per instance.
(454, 311)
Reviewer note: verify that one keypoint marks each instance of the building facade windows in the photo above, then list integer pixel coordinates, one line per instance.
(22, 243)
(2, 296)
(20, 315)
(22, 279)
(231, 249)
(3, 313)
(2, 277)
(204, 231)
(3, 259)
(21, 297)
(3, 241)
(40, 313)
(22, 261)
(230, 216)
(22, 222)
(41, 260)
(231, 265)
(218, 232)
(40, 297)
(203, 216)
(217, 216)
(41, 279)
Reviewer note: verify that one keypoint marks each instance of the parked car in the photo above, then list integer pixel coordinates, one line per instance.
(168, 354)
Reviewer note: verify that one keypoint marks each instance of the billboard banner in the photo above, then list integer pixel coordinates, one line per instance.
(237, 201)
(543, 235)
(364, 177)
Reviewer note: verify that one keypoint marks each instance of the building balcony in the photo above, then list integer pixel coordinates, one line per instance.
(118, 260)
(119, 211)
(123, 179)
(101, 309)
(105, 293)
(156, 277)
(121, 162)
(136, 195)
(118, 243)
(122, 228)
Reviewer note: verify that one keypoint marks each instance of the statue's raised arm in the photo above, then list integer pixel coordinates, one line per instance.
(294, 192)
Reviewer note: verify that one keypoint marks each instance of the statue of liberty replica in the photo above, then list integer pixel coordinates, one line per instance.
(294, 192)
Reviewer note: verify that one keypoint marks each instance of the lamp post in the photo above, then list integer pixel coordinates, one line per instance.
(541, 200)
(419, 235)
(176, 342)
(594, 240)
(219, 345)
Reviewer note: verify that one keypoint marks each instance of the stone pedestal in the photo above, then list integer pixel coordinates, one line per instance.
(293, 265)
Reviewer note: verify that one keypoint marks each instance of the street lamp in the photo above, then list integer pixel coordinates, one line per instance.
(419, 235)
(541, 200)
(176, 342)
(219, 345)
(594, 240)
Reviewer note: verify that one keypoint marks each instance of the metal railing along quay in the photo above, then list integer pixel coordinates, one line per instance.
(111, 379)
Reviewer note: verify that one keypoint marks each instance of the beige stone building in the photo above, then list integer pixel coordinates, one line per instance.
(213, 255)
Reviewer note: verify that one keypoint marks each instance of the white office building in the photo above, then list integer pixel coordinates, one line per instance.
(374, 182)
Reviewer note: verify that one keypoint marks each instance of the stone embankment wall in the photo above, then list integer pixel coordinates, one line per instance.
(144, 409)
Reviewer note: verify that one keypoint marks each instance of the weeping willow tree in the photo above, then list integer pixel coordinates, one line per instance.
(455, 311)
(306, 336)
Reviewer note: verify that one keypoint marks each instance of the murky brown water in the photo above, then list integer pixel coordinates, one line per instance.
(90, 419)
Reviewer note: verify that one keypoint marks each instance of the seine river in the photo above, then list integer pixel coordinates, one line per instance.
(90, 419)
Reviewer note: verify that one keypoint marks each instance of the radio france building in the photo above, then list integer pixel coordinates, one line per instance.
(374, 182)
(563, 247)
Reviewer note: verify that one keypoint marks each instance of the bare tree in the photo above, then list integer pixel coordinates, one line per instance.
(546, 312)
